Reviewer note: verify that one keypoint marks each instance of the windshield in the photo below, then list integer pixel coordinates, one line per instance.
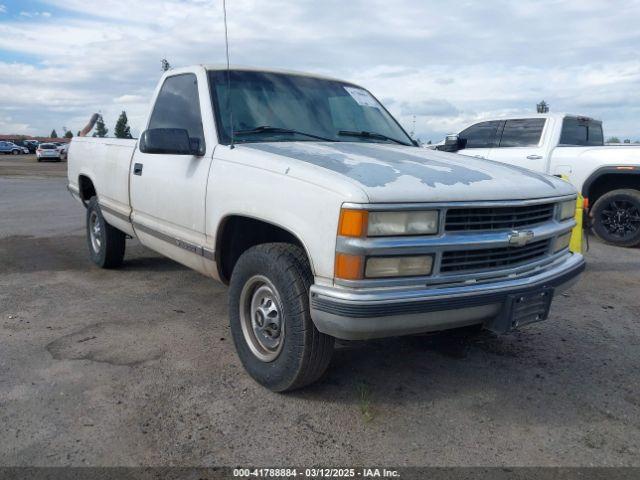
(276, 107)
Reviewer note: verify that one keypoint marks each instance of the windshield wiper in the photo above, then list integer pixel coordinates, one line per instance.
(365, 134)
(270, 129)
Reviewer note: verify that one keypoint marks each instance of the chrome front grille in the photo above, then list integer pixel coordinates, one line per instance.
(467, 261)
(479, 242)
(497, 218)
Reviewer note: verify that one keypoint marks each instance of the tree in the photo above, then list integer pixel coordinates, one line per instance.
(627, 141)
(101, 130)
(613, 140)
(68, 134)
(122, 130)
(53, 134)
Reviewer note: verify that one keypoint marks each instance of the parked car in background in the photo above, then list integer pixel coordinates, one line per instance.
(32, 145)
(63, 149)
(323, 216)
(48, 151)
(11, 148)
(24, 146)
(608, 176)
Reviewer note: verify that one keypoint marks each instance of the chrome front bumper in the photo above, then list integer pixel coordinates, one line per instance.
(358, 314)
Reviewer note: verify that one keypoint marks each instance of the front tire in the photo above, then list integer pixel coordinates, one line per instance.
(15, 152)
(616, 217)
(274, 335)
(106, 243)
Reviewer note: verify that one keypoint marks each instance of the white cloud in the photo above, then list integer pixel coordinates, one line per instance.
(35, 14)
(129, 99)
(7, 124)
(3, 8)
(448, 67)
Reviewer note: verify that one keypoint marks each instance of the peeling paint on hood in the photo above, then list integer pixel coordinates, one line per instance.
(390, 173)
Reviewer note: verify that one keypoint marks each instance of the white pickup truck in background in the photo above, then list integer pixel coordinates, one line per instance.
(608, 176)
(326, 220)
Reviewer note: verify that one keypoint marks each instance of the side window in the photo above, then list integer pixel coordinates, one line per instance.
(178, 106)
(580, 132)
(522, 133)
(481, 135)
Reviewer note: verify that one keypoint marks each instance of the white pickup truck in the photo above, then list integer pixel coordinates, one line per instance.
(561, 144)
(309, 199)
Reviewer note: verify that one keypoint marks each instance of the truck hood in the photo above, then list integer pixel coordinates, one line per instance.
(395, 173)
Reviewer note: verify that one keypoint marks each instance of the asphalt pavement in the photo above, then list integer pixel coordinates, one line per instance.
(136, 367)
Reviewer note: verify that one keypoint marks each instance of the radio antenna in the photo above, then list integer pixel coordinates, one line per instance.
(226, 42)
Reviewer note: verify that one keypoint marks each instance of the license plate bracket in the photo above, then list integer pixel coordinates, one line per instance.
(523, 309)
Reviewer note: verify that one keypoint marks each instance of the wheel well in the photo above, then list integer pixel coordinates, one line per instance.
(237, 234)
(87, 190)
(611, 181)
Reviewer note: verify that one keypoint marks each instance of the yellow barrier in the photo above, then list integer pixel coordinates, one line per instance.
(575, 245)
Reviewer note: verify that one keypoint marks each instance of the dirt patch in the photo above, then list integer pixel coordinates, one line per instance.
(112, 343)
(24, 254)
(28, 166)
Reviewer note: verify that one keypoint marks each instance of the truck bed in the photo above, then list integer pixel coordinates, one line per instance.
(106, 163)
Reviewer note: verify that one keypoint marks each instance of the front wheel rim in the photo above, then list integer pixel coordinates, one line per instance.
(95, 232)
(262, 318)
(621, 219)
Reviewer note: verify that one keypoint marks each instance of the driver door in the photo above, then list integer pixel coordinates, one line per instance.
(168, 190)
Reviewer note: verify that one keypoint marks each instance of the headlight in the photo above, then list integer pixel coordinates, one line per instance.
(402, 223)
(562, 242)
(361, 223)
(567, 209)
(382, 267)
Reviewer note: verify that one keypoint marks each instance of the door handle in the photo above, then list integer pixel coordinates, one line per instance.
(137, 169)
(534, 157)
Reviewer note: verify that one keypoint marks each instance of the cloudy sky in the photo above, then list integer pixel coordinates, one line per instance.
(446, 63)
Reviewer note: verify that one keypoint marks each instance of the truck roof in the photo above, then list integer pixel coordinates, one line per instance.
(271, 70)
(556, 115)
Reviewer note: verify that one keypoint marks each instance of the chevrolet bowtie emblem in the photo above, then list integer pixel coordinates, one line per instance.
(520, 238)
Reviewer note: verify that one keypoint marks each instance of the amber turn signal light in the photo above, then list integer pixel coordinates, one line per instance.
(349, 267)
(353, 223)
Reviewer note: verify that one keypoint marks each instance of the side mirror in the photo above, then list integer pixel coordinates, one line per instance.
(452, 143)
(172, 141)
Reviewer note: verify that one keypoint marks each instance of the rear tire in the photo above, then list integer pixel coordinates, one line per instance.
(15, 152)
(274, 335)
(106, 243)
(616, 217)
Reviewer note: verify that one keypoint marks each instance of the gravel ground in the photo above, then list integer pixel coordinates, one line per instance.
(136, 367)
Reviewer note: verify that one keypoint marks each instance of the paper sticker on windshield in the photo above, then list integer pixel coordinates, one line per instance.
(362, 97)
